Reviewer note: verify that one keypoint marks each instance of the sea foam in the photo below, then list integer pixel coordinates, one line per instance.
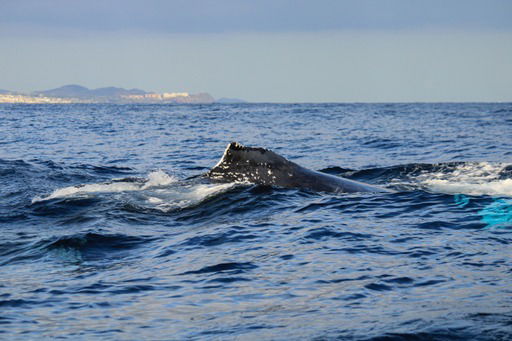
(155, 179)
(159, 191)
(474, 178)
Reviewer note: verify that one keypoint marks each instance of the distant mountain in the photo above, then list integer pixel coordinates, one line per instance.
(116, 92)
(74, 93)
(230, 100)
(78, 91)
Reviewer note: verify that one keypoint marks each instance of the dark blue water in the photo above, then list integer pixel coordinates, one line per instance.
(102, 234)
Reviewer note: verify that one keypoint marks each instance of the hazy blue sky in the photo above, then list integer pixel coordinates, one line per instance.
(265, 50)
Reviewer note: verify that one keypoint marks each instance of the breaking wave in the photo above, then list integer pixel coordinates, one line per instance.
(159, 191)
(478, 178)
(155, 179)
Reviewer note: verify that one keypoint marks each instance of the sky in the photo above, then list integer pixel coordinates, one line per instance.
(264, 50)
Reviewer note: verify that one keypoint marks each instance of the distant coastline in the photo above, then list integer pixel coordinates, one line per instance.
(80, 94)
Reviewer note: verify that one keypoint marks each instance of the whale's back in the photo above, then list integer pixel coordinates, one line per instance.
(262, 166)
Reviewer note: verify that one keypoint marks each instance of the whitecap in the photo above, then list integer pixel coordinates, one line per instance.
(178, 197)
(159, 191)
(475, 178)
(155, 179)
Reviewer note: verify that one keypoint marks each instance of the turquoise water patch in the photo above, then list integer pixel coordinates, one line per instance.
(461, 200)
(498, 214)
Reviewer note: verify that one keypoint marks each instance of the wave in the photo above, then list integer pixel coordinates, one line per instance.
(474, 178)
(157, 178)
(77, 247)
(182, 196)
(159, 191)
(469, 178)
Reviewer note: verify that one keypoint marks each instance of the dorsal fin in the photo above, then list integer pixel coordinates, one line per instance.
(239, 154)
(241, 163)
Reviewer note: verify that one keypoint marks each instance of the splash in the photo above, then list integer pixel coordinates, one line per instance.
(180, 196)
(159, 191)
(478, 178)
(155, 179)
(159, 178)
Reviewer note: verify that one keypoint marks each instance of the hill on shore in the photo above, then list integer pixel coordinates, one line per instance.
(74, 93)
(78, 91)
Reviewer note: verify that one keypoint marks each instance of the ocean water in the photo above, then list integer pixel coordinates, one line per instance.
(105, 232)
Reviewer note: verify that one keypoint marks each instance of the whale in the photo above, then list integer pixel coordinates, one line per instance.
(262, 166)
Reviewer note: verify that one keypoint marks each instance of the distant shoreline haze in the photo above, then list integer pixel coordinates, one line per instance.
(73, 93)
(79, 94)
